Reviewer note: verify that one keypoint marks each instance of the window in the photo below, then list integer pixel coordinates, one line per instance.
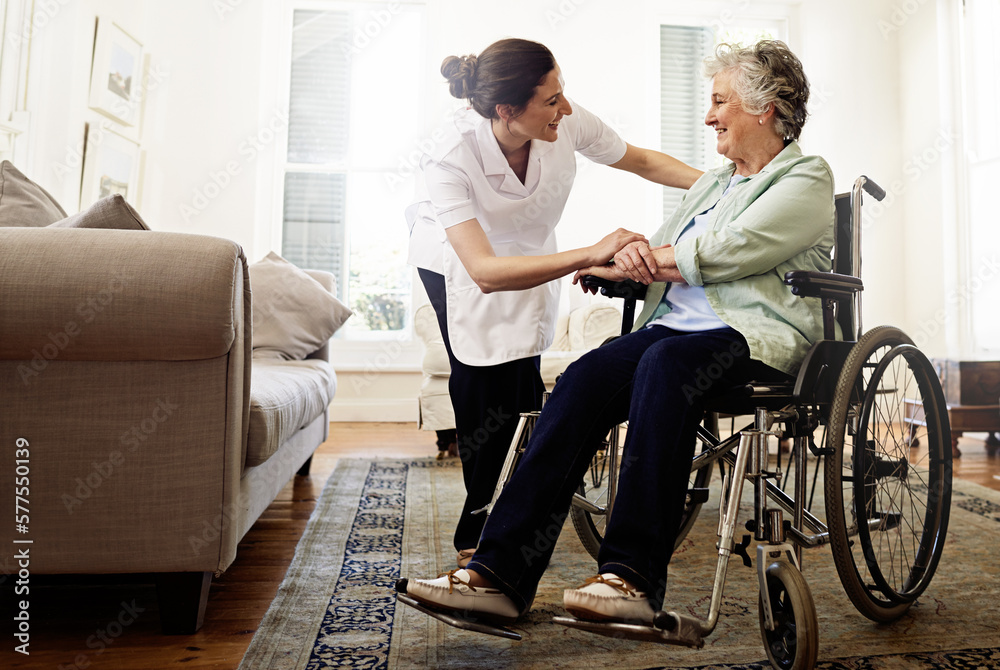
(980, 293)
(15, 43)
(684, 90)
(684, 95)
(354, 75)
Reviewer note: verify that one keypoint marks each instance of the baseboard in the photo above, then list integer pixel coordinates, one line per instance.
(366, 409)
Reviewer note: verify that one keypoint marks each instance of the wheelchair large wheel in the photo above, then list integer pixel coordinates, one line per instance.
(887, 500)
(590, 525)
(794, 642)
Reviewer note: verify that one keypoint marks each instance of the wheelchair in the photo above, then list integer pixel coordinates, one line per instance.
(885, 450)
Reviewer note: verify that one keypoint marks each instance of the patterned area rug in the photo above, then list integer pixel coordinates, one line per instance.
(378, 520)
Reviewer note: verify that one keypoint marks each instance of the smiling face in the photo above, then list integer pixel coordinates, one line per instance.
(546, 108)
(737, 131)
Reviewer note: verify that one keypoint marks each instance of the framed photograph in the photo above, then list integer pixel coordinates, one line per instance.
(110, 165)
(116, 73)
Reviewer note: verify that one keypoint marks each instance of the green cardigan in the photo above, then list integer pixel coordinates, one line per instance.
(779, 219)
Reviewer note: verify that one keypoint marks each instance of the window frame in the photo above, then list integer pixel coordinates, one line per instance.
(391, 351)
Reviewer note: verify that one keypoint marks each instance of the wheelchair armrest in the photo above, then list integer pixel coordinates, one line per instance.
(616, 289)
(807, 283)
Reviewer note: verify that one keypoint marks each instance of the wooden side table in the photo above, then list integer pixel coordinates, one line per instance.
(972, 398)
(963, 419)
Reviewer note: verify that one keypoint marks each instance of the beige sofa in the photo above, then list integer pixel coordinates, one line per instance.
(150, 437)
(577, 332)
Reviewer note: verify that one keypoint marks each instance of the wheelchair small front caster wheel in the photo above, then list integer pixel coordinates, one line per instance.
(794, 642)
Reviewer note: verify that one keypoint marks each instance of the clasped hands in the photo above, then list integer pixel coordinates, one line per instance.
(636, 260)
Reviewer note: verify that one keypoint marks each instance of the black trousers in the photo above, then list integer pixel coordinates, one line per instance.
(487, 401)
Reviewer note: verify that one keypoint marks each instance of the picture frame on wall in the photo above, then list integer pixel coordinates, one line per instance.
(111, 164)
(116, 73)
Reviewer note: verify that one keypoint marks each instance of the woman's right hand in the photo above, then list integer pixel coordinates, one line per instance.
(636, 262)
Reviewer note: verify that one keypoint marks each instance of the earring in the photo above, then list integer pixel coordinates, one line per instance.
(760, 121)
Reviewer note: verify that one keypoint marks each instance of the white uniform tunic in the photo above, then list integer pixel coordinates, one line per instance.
(467, 176)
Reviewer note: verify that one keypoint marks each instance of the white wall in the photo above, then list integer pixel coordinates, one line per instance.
(201, 107)
(873, 66)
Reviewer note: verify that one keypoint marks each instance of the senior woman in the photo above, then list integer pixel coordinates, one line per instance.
(718, 295)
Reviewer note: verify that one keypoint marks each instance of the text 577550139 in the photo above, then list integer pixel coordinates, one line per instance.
(22, 521)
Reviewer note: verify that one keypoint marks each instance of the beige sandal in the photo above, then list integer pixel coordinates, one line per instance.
(464, 556)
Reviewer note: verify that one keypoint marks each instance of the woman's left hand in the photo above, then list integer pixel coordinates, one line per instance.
(636, 261)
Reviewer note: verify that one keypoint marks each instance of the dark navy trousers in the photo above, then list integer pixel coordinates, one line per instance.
(659, 380)
(487, 401)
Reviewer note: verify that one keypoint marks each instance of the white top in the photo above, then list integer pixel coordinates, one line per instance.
(689, 308)
(466, 176)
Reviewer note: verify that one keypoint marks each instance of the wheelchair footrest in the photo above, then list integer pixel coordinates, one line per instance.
(683, 634)
(454, 619)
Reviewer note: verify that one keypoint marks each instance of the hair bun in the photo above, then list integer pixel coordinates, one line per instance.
(461, 74)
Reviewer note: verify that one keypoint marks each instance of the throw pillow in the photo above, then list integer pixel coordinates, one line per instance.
(23, 203)
(112, 212)
(293, 314)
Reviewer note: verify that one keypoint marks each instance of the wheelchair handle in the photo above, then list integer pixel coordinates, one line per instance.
(873, 189)
(615, 289)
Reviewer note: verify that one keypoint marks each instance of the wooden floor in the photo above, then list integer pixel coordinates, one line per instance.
(116, 626)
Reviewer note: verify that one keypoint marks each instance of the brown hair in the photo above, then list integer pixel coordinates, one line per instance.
(505, 73)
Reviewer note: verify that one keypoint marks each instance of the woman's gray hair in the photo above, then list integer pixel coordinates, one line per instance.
(766, 73)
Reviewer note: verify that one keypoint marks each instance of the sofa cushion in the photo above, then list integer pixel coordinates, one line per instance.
(293, 314)
(112, 212)
(285, 396)
(589, 326)
(23, 203)
(435, 361)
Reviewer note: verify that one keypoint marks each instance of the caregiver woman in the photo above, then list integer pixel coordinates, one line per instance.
(482, 238)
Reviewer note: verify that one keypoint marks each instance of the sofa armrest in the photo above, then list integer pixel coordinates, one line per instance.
(72, 294)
